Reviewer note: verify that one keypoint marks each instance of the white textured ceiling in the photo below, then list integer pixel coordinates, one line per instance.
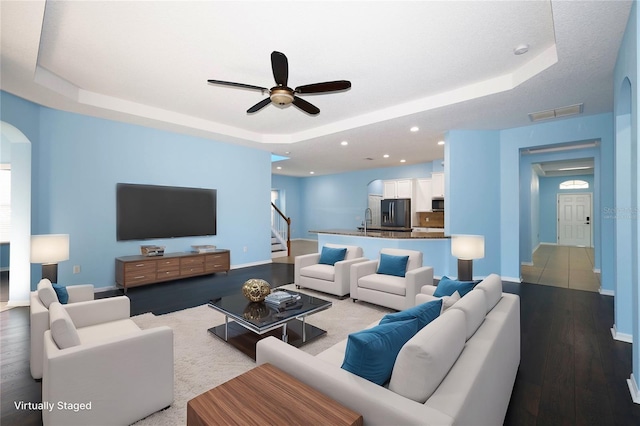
(438, 65)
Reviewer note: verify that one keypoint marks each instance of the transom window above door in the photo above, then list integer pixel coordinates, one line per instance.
(574, 184)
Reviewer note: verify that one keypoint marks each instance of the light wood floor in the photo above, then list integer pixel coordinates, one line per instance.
(298, 247)
(563, 266)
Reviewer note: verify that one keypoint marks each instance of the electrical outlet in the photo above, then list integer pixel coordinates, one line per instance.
(245, 249)
(76, 269)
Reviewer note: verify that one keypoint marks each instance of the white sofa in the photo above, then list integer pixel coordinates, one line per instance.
(332, 279)
(39, 301)
(479, 335)
(387, 290)
(96, 356)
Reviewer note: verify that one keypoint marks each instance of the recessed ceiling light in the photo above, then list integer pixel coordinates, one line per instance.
(440, 142)
(279, 168)
(521, 49)
(287, 152)
(403, 161)
(414, 129)
(386, 156)
(311, 173)
(344, 143)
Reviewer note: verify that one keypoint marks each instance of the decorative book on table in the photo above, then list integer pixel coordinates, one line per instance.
(281, 298)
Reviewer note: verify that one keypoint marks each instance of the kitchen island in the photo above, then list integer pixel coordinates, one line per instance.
(435, 246)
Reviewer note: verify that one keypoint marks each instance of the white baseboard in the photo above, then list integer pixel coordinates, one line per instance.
(103, 289)
(548, 244)
(4, 269)
(604, 292)
(596, 270)
(621, 337)
(18, 303)
(633, 388)
(526, 263)
(304, 239)
(511, 279)
(246, 265)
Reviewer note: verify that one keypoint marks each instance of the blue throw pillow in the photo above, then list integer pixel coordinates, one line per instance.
(329, 256)
(424, 313)
(447, 286)
(393, 265)
(62, 293)
(372, 352)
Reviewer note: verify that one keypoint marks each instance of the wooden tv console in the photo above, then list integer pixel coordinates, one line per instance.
(134, 271)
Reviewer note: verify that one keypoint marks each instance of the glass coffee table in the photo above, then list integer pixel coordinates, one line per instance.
(247, 322)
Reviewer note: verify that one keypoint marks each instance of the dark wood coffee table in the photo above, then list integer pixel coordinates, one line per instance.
(247, 322)
(267, 395)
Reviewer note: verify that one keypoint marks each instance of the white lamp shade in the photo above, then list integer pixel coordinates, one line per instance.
(467, 247)
(50, 248)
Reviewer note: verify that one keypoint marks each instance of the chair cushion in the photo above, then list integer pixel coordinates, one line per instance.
(61, 293)
(371, 353)
(63, 331)
(492, 287)
(425, 360)
(474, 306)
(415, 257)
(392, 265)
(384, 283)
(424, 313)
(319, 271)
(447, 286)
(46, 293)
(329, 255)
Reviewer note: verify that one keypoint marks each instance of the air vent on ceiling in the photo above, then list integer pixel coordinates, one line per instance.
(556, 113)
(369, 158)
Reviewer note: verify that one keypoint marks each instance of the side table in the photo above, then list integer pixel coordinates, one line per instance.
(267, 395)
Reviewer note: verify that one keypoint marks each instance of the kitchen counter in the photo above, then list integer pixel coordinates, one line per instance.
(383, 234)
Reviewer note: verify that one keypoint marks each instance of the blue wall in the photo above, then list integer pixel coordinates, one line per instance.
(548, 211)
(339, 200)
(627, 195)
(78, 160)
(472, 192)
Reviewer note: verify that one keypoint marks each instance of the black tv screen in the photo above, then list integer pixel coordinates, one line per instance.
(152, 211)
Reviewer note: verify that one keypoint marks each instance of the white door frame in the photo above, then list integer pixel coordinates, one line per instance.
(558, 195)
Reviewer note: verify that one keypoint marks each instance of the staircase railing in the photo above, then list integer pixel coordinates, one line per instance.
(281, 227)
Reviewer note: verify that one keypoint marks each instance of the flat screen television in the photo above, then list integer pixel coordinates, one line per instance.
(153, 211)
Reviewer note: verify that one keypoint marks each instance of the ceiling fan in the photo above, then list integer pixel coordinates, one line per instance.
(283, 95)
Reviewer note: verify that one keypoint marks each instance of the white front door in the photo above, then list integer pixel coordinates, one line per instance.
(574, 220)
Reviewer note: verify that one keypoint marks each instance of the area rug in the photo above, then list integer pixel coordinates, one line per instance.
(203, 361)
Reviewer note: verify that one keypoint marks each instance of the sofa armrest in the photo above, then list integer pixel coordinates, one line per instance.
(416, 279)
(80, 293)
(358, 271)
(343, 269)
(92, 312)
(377, 404)
(424, 298)
(302, 262)
(38, 324)
(110, 374)
(428, 289)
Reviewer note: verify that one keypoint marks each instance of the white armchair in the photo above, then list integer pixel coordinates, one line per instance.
(392, 291)
(98, 359)
(332, 279)
(39, 316)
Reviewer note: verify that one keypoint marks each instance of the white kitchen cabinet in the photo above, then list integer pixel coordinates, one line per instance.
(400, 188)
(437, 184)
(423, 195)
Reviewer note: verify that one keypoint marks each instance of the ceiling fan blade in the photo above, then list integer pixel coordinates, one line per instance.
(241, 85)
(305, 106)
(257, 107)
(280, 67)
(329, 86)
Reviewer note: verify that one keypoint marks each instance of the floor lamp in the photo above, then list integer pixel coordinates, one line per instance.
(467, 248)
(49, 250)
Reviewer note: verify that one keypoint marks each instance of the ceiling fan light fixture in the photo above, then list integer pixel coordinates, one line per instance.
(281, 97)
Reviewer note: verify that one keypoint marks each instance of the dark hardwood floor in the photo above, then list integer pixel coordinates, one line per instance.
(572, 372)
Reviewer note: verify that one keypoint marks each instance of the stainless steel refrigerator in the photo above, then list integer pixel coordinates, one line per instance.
(396, 212)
